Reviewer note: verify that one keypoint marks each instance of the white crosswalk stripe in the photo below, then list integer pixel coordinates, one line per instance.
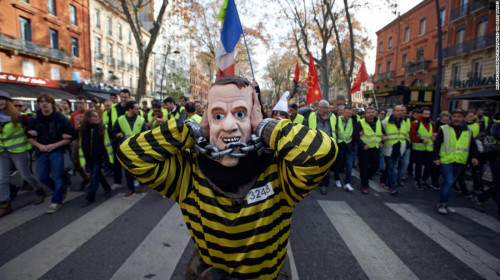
(35, 262)
(160, 251)
(372, 253)
(372, 184)
(29, 212)
(476, 258)
(480, 218)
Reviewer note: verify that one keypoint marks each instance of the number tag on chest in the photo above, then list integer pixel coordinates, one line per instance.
(260, 193)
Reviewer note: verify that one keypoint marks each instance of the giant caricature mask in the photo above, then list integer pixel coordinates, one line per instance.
(228, 113)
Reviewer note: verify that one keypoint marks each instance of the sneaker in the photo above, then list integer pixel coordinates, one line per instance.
(40, 197)
(451, 210)
(419, 186)
(13, 172)
(478, 205)
(466, 194)
(455, 189)
(54, 207)
(323, 190)
(394, 192)
(364, 190)
(144, 189)
(115, 186)
(426, 186)
(441, 208)
(65, 195)
(5, 210)
(435, 187)
(136, 183)
(128, 194)
(399, 183)
(348, 187)
(86, 203)
(338, 184)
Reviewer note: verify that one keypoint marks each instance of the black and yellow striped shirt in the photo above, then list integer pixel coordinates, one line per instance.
(248, 241)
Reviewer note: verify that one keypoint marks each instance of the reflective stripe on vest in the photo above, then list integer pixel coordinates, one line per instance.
(125, 127)
(13, 139)
(345, 135)
(299, 119)
(453, 150)
(313, 123)
(424, 134)
(370, 137)
(395, 135)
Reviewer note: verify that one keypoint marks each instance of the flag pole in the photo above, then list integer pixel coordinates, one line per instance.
(246, 45)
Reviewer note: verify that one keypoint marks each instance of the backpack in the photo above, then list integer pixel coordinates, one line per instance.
(486, 143)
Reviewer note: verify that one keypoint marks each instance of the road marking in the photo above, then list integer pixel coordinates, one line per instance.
(373, 185)
(293, 267)
(159, 253)
(38, 260)
(29, 212)
(373, 255)
(476, 258)
(480, 218)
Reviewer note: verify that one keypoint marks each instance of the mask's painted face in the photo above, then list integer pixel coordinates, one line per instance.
(228, 115)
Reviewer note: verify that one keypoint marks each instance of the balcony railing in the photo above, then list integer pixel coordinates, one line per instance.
(98, 55)
(111, 61)
(471, 45)
(389, 75)
(458, 13)
(476, 5)
(417, 66)
(28, 47)
(121, 63)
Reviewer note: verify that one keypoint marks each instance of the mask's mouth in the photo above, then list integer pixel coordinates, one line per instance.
(230, 139)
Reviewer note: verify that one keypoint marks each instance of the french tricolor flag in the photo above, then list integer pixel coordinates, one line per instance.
(229, 37)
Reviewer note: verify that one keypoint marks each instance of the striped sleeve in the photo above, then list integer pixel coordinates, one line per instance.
(304, 158)
(160, 158)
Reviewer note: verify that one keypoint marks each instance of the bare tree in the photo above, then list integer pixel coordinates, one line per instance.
(133, 10)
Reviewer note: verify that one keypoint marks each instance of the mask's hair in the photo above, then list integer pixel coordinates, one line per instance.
(238, 81)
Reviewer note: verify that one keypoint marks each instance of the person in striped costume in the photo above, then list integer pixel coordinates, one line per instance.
(237, 206)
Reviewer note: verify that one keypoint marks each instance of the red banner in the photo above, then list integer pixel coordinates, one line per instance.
(32, 81)
(361, 77)
(313, 92)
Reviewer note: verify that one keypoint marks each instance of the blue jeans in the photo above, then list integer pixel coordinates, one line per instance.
(381, 166)
(390, 169)
(96, 177)
(404, 160)
(50, 172)
(344, 162)
(450, 174)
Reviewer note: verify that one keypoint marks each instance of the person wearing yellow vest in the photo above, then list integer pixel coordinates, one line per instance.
(127, 126)
(368, 136)
(117, 110)
(174, 110)
(345, 131)
(422, 135)
(295, 117)
(95, 148)
(452, 147)
(191, 112)
(14, 148)
(404, 161)
(394, 148)
(483, 120)
(327, 122)
(156, 116)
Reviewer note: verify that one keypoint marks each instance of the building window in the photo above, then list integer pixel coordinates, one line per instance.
(390, 43)
(422, 26)
(442, 15)
(54, 39)
(98, 46)
(25, 28)
(72, 15)
(120, 56)
(129, 38)
(110, 27)
(407, 34)
(74, 47)
(405, 59)
(119, 31)
(55, 73)
(420, 54)
(455, 72)
(97, 19)
(110, 50)
(379, 68)
(381, 47)
(460, 35)
(389, 64)
(477, 66)
(28, 69)
(51, 7)
(482, 24)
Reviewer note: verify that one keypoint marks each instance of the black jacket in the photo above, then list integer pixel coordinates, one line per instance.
(50, 128)
(93, 143)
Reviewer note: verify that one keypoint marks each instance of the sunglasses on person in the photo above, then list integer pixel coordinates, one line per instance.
(19, 106)
(281, 113)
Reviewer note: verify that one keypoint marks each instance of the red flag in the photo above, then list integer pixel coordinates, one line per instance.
(313, 92)
(297, 73)
(361, 77)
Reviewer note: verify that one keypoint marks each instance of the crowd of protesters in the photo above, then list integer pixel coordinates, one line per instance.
(396, 145)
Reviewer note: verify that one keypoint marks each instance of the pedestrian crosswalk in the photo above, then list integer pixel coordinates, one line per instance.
(162, 252)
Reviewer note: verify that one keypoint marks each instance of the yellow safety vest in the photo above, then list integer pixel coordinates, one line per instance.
(474, 128)
(196, 118)
(177, 114)
(486, 121)
(105, 118)
(150, 117)
(453, 150)
(345, 135)
(395, 135)
(424, 134)
(13, 139)
(114, 113)
(313, 123)
(298, 119)
(407, 123)
(125, 127)
(370, 137)
(107, 145)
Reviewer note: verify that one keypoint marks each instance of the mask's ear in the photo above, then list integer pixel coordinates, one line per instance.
(204, 125)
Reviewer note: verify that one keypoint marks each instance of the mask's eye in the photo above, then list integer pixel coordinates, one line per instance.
(240, 115)
(218, 117)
